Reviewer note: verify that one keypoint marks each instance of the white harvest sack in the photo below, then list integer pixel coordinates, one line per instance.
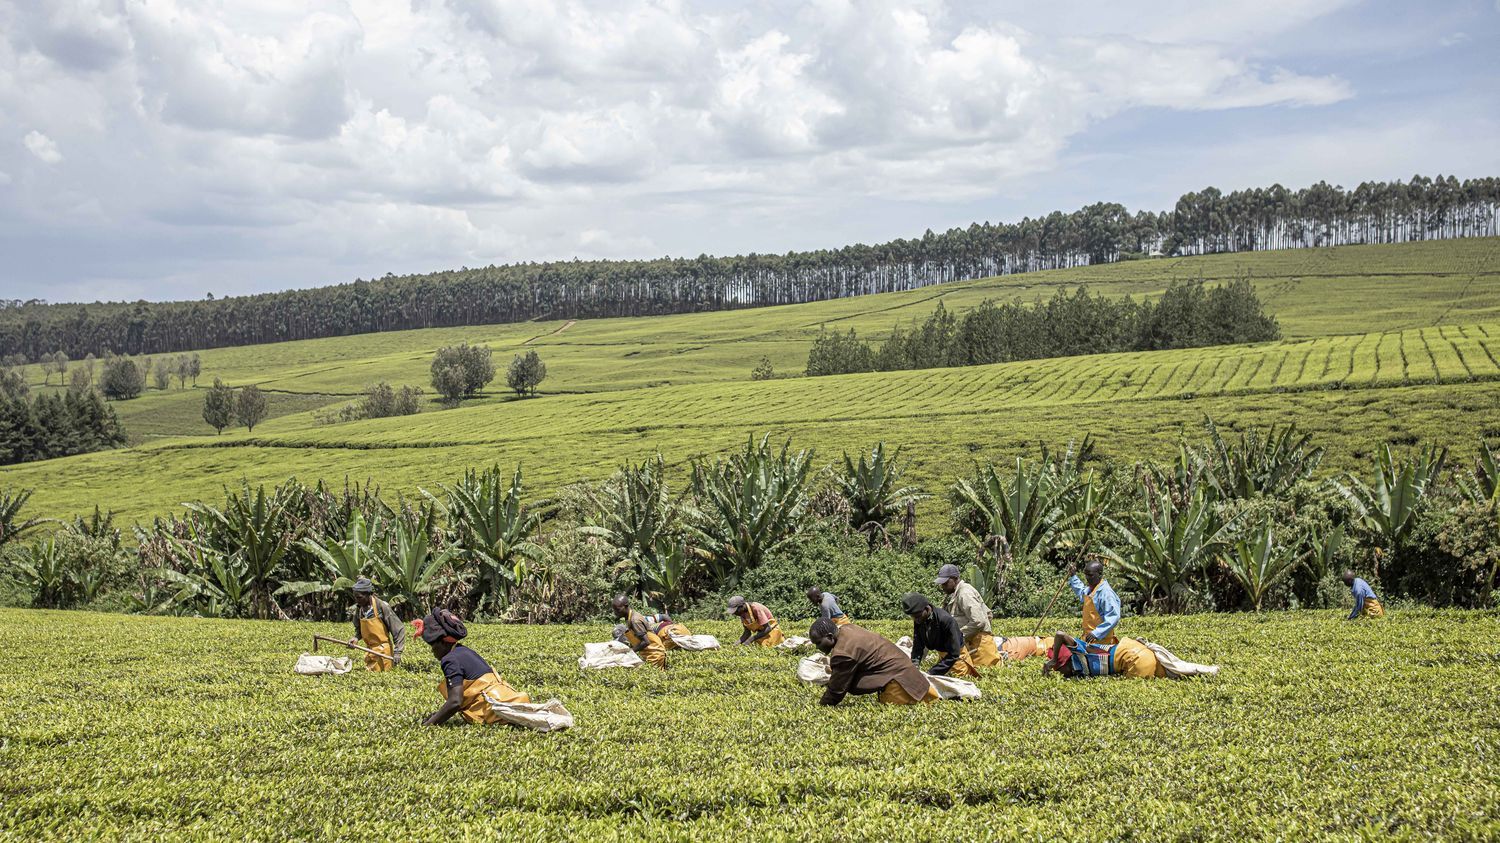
(1177, 668)
(794, 642)
(814, 669)
(608, 654)
(549, 716)
(695, 642)
(310, 664)
(904, 645)
(951, 688)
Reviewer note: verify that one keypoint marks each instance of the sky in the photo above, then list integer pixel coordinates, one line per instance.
(164, 149)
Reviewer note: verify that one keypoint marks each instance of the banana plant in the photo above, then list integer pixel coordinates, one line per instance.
(667, 572)
(1259, 466)
(495, 529)
(747, 506)
(43, 571)
(1260, 562)
(1387, 508)
(872, 489)
(211, 582)
(1028, 509)
(12, 526)
(1481, 484)
(406, 565)
(634, 513)
(254, 529)
(345, 560)
(1167, 546)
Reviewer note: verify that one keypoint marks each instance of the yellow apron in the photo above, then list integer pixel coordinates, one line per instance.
(1136, 660)
(475, 708)
(772, 638)
(963, 667)
(1373, 609)
(841, 620)
(654, 651)
(671, 629)
(894, 694)
(981, 647)
(372, 631)
(1091, 619)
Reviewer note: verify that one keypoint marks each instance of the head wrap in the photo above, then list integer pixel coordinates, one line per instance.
(442, 625)
(913, 603)
(822, 628)
(364, 586)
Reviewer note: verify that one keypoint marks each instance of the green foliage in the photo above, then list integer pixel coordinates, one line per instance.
(873, 491)
(122, 378)
(747, 505)
(634, 513)
(12, 526)
(218, 406)
(345, 559)
(495, 530)
(1388, 506)
(253, 533)
(1266, 464)
(249, 406)
(1481, 483)
(1167, 544)
(526, 373)
(1259, 562)
(763, 370)
(406, 565)
(460, 371)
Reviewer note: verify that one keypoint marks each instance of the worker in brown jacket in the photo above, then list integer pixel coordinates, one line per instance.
(862, 662)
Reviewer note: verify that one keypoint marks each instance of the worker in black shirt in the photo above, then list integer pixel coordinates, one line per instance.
(934, 629)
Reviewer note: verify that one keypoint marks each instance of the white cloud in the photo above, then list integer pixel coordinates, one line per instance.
(43, 147)
(364, 135)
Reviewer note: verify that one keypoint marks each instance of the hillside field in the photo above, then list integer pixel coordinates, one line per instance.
(135, 727)
(1382, 343)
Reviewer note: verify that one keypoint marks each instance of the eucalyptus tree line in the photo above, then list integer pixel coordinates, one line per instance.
(1201, 222)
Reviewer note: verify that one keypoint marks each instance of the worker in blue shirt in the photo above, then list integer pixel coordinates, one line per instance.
(1101, 606)
(1365, 604)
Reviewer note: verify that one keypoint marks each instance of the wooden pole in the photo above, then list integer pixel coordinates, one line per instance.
(341, 643)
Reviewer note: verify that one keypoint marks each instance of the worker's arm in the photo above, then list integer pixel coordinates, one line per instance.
(970, 612)
(451, 706)
(637, 627)
(951, 650)
(763, 632)
(841, 669)
(397, 630)
(918, 644)
(745, 636)
(1108, 605)
(1079, 589)
(358, 633)
(1359, 605)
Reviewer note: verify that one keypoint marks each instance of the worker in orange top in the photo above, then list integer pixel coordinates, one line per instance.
(760, 625)
(377, 627)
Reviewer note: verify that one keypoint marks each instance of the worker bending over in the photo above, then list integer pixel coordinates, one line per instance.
(1131, 658)
(1365, 604)
(1020, 647)
(760, 625)
(662, 624)
(376, 624)
(469, 683)
(967, 607)
(934, 629)
(862, 662)
(828, 605)
(1101, 606)
(640, 636)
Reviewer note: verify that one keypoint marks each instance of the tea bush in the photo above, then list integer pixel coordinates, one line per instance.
(117, 727)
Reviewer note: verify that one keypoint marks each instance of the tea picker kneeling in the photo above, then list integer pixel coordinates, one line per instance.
(467, 678)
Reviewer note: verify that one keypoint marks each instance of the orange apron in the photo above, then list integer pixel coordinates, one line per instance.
(654, 652)
(372, 631)
(475, 707)
(772, 638)
(671, 629)
(1091, 619)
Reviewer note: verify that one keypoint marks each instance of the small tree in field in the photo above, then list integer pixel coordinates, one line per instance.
(250, 407)
(525, 373)
(195, 368)
(161, 373)
(763, 370)
(218, 406)
(460, 371)
(122, 378)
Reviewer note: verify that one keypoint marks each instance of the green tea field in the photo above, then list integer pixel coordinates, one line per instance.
(132, 728)
(1382, 344)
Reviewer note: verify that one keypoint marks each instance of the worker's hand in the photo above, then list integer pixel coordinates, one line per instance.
(1072, 569)
(353, 641)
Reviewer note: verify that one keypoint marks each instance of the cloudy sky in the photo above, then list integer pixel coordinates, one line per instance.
(168, 148)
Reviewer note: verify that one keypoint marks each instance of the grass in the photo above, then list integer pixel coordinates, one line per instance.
(1385, 343)
(143, 728)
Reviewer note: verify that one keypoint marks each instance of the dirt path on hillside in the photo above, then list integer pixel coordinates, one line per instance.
(566, 325)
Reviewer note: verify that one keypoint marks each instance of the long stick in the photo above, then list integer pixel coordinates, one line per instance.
(1043, 618)
(341, 643)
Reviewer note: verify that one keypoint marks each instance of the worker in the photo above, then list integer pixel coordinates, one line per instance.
(1101, 606)
(1020, 647)
(377, 626)
(933, 628)
(968, 608)
(760, 625)
(828, 605)
(469, 683)
(639, 635)
(1365, 604)
(662, 624)
(862, 662)
(1131, 658)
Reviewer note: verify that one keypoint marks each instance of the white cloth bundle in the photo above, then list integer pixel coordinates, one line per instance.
(814, 669)
(953, 688)
(1177, 668)
(549, 716)
(794, 642)
(608, 654)
(904, 645)
(695, 642)
(310, 664)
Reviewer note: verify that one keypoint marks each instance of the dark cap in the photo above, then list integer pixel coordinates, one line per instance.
(736, 603)
(947, 572)
(364, 586)
(913, 603)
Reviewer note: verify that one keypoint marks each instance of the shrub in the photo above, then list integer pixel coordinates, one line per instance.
(526, 372)
(122, 378)
(460, 371)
